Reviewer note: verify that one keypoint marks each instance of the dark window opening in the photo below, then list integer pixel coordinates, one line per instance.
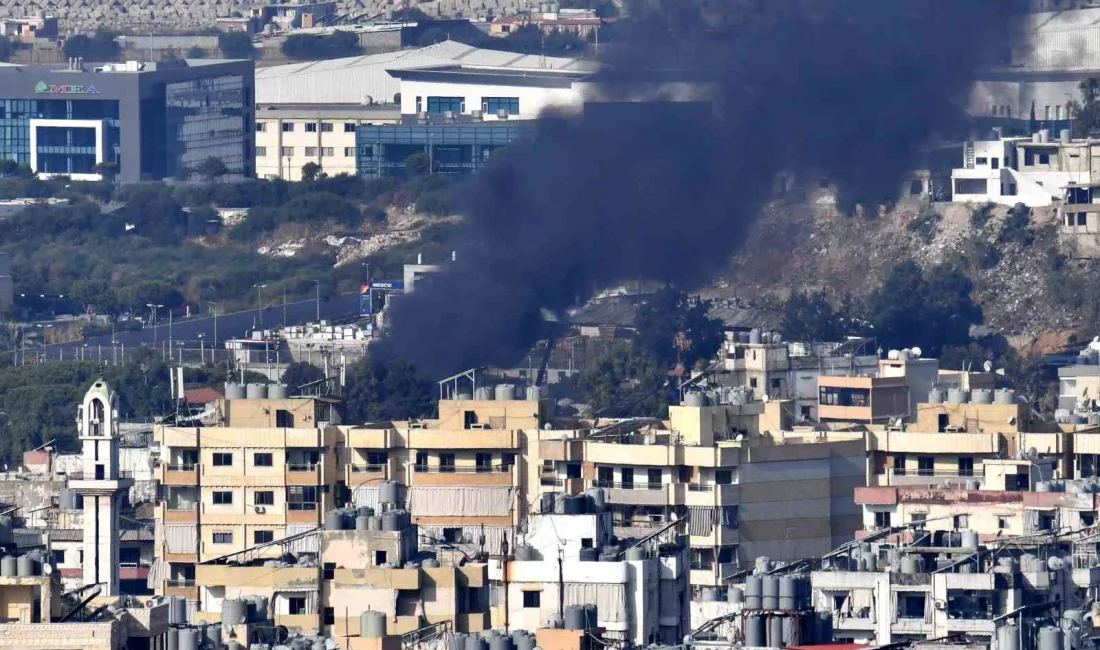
(532, 599)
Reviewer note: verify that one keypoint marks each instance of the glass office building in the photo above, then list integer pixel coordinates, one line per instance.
(453, 148)
(152, 120)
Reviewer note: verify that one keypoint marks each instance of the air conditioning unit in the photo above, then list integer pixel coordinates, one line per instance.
(259, 509)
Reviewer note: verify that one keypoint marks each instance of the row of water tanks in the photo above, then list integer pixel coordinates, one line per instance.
(23, 566)
(782, 631)
(770, 592)
(1072, 486)
(493, 640)
(235, 611)
(204, 636)
(758, 337)
(234, 390)
(503, 393)
(364, 519)
(976, 396)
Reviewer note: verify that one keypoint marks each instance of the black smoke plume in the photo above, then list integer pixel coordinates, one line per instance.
(663, 190)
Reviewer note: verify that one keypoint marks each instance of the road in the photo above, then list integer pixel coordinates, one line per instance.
(234, 325)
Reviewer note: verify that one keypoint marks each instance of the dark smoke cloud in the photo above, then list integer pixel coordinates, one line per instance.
(848, 89)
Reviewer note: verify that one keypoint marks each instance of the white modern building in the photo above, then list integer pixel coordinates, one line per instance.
(1034, 171)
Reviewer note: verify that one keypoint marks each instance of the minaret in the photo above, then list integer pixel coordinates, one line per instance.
(101, 486)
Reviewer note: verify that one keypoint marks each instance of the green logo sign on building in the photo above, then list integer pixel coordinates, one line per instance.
(43, 88)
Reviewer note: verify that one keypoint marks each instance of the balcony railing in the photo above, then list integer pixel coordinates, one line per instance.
(183, 583)
(181, 507)
(933, 473)
(551, 481)
(182, 467)
(301, 505)
(368, 469)
(631, 485)
(452, 469)
(302, 467)
(85, 476)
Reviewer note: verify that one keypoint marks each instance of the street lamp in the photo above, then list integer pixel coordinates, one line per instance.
(215, 310)
(153, 307)
(260, 302)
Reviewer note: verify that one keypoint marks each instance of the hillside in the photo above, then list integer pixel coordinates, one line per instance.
(1026, 281)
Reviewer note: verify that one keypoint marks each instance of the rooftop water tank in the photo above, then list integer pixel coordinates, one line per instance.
(463, 396)
(1042, 486)
(189, 638)
(375, 523)
(177, 610)
(635, 554)
(334, 520)
(574, 617)
(1050, 638)
(969, 539)
(981, 396)
(234, 611)
(501, 643)
(525, 553)
(388, 492)
(276, 391)
(709, 595)
(788, 592)
(234, 390)
(755, 336)
(391, 520)
(935, 396)
(910, 565)
(362, 523)
(474, 642)
(535, 393)
(735, 595)
(173, 638)
(590, 554)
(957, 396)
(372, 624)
(483, 394)
(754, 590)
(25, 566)
(1008, 637)
(505, 392)
(695, 399)
(771, 592)
(597, 499)
(754, 631)
(214, 635)
(1004, 396)
(775, 632)
(524, 642)
(430, 563)
(66, 499)
(256, 391)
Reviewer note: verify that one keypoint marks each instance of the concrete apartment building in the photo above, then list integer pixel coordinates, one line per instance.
(265, 469)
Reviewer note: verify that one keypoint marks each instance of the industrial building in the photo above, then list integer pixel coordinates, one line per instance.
(151, 120)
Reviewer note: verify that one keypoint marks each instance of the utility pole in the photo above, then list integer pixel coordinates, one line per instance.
(317, 288)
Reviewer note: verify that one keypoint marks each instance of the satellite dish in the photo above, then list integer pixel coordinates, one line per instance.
(47, 569)
(915, 352)
(764, 398)
(988, 365)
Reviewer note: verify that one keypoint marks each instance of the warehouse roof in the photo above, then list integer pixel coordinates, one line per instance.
(364, 79)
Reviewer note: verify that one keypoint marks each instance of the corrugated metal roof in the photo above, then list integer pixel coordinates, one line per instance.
(352, 80)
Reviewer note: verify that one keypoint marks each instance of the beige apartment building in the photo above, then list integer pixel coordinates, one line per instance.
(290, 136)
(265, 469)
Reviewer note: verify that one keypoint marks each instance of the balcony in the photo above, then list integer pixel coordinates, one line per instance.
(712, 495)
(968, 443)
(424, 439)
(181, 474)
(133, 571)
(369, 438)
(462, 476)
(378, 577)
(562, 450)
(182, 588)
(904, 477)
(356, 475)
(302, 513)
(303, 474)
(179, 515)
(633, 493)
(177, 437)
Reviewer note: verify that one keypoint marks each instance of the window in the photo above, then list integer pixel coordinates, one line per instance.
(330, 570)
(287, 152)
(918, 517)
(1088, 518)
(261, 459)
(330, 616)
(302, 497)
(377, 458)
(263, 536)
(777, 383)
(223, 498)
(223, 459)
(326, 127)
(1082, 218)
(349, 152)
(1046, 521)
(532, 599)
(605, 476)
(882, 520)
(1044, 159)
(261, 127)
(263, 498)
(627, 478)
(421, 462)
(752, 382)
(484, 462)
(311, 151)
(723, 477)
(288, 127)
(379, 558)
(223, 538)
(1002, 522)
(58, 556)
(445, 104)
(586, 542)
(446, 462)
(261, 152)
(981, 161)
(296, 605)
(910, 604)
(349, 127)
(925, 465)
(326, 151)
(654, 479)
(961, 522)
(966, 466)
(493, 105)
(311, 127)
(509, 459)
(995, 163)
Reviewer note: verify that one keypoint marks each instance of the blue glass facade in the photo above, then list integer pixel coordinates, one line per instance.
(454, 148)
(206, 118)
(15, 129)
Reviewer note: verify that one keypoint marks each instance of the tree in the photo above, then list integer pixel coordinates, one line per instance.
(301, 373)
(810, 317)
(5, 48)
(929, 310)
(418, 164)
(236, 45)
(310, 47)
(310, 172)
(212, 169)
(196, 52)
(101, 46)
(386, 390)
(624, 383)
(8, 167)
(675, 327)
(107, 170)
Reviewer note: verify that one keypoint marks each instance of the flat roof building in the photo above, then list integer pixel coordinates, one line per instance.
(152, 120)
